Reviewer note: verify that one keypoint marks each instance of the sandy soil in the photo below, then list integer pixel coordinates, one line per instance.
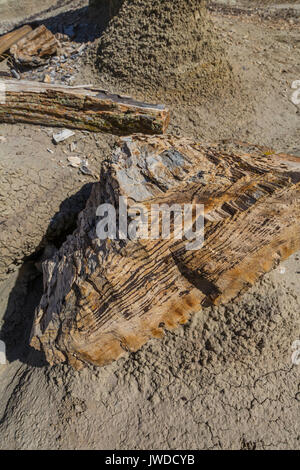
(225, 380)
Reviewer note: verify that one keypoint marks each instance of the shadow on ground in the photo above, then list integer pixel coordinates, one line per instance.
(26, 294)
(81, 25)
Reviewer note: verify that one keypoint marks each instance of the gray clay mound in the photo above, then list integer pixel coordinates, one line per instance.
(162, 50)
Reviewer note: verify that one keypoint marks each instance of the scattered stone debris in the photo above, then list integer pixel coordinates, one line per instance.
(82, 164)
(63, 67)
(63, 135)
(47, 56)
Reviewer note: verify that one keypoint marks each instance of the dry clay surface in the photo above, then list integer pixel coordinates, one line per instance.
(40, 193)
(13, 12)
(225, 380)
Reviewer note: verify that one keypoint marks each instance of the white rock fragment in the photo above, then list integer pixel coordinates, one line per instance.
(75, 162)
(84, 168)
(295, 98)
(73, 146)
(81, 49)
(63, 135)
(16, 74)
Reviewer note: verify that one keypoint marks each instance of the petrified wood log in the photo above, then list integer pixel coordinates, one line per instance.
(105, 297)
(35, 48)
(80, 108)
(7, 40)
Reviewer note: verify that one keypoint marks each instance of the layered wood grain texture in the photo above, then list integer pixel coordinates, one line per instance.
(104, 298)
(7, 40)
(35, 48)
(84, 108)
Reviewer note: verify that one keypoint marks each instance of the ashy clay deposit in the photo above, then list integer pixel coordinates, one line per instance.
(164, 50)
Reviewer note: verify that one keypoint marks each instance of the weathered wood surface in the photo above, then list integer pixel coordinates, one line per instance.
(84, 108)
(7, 40)
(35, 48)
(103, 298)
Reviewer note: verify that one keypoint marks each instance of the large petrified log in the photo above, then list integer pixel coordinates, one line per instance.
(105, 297)
(80, 108)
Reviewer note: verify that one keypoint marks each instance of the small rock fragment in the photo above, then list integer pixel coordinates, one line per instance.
(47, 78)
(295, 98)
(63, 135)
(84, 168)
(81, 49)
(62, 37)
(73, 146)
(15, 74)
(75, 162)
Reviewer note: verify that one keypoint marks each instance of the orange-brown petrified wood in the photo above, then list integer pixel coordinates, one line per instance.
(103, 298)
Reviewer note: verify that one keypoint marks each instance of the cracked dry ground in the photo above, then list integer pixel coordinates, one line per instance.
(226, 379)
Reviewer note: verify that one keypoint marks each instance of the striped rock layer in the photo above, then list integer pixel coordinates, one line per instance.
(103, 298)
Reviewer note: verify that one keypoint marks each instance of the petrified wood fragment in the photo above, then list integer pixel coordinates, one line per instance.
(7, 40)
(105, 297)
(35, 48)
(84, 108)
